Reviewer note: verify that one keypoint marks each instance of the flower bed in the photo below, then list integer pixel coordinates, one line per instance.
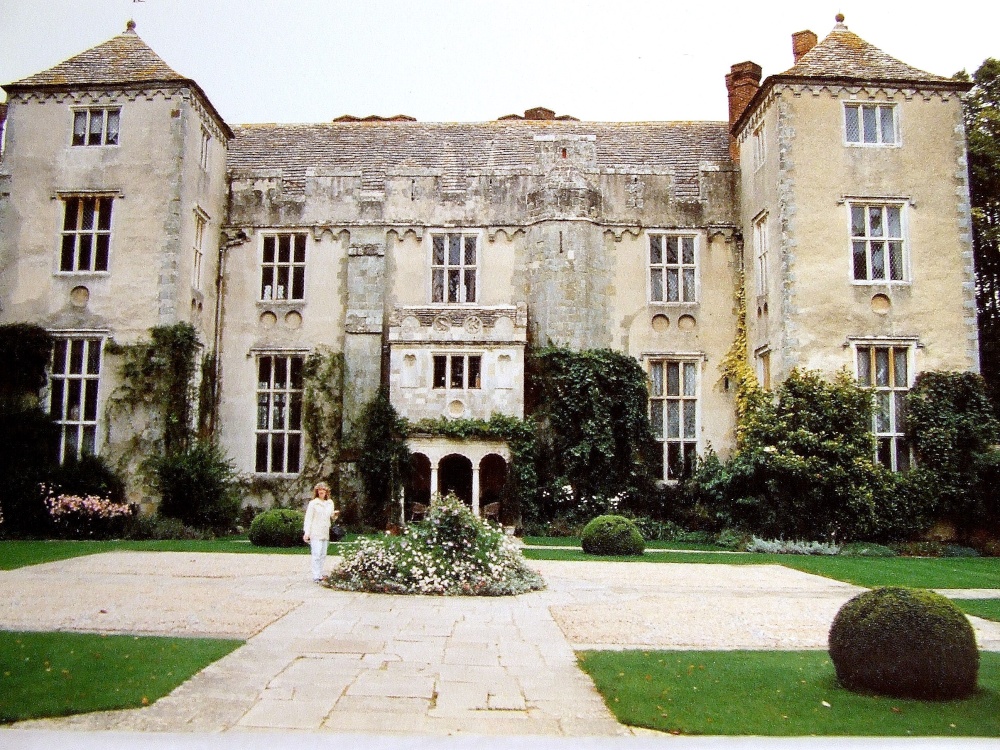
(85, 517)
(451, 553)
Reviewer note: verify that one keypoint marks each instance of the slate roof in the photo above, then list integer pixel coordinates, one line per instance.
(458, 150)
(843, 54)
(124, 59)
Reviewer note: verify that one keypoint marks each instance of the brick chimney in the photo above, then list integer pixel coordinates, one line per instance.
(802, 42)
(742, 83)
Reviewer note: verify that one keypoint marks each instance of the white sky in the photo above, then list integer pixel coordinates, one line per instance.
(474, 60)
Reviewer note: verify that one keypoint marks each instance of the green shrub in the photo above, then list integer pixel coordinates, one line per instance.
(278, 527)
(153, 526)
(905, 643)
(198, 486)
(958, 550)
(866, 549)
(612, 535)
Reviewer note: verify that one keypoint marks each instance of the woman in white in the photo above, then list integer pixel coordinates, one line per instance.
(316, 530)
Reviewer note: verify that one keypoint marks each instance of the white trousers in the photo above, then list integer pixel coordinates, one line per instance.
(318, 547)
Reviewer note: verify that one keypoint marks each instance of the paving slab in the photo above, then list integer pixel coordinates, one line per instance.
(324, 661)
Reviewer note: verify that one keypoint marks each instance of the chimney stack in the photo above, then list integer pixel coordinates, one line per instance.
(742, 83)
(802, 42)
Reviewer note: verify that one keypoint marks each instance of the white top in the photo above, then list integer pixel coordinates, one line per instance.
(319, 515)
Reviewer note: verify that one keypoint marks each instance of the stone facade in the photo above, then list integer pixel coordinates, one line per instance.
(431, 256)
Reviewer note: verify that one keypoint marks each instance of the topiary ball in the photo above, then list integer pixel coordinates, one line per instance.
(612, 535)
(905, 643)
(278, 527)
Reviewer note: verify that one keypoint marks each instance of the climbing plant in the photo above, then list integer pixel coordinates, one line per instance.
(379, 440)
(590, 410)
(736, 367)
(157, 375)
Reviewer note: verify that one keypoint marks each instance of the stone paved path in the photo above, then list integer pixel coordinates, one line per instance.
(323, 660)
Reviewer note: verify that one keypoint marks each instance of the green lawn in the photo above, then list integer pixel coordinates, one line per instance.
(574, 541)
(56, 674)
(920, 572)
(988, 609)
(775, 693)
(17, 554)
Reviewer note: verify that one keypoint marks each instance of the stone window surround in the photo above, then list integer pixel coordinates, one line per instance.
(287, 429)
(461, 268)
(697, 359)
(201, 220)
(77, 232)
(758, 146)
(86, 420)
(894, 435)
(293, 271)
(761, 246)
(449, 358)
(106, 135)
(679, 267)
(902, 203)
(878, 107)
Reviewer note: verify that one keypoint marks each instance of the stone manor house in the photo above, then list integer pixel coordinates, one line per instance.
(432, 254)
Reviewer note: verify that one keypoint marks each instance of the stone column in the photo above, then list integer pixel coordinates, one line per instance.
(475, 488)
(434, 479)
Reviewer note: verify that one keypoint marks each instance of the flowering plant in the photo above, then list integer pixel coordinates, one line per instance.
(452, 552)
(86, 516)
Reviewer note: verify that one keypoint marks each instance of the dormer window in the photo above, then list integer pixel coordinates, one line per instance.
(871, 125)
(96, 127)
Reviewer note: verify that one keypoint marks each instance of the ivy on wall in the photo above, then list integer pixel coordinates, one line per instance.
(158, 375)
(750, 397)
(590, 410)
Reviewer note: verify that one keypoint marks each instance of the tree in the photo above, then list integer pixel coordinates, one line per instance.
(379, 437)
(982, 127)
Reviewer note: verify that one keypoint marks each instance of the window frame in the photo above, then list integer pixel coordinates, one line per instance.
(278, 432)
(878, 108)
(88, 119)
(200, 227)
(447, 373)
(95, 233)
(758, 146)
(203, 154)
(761, 245)
(295, 269)
(446, 267)
(662, 268)
(60, 387)
(867, 204)
(687, 440)
(895, 434)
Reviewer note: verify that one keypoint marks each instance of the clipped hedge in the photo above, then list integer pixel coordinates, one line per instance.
(278, 527)
(905, 643)
(612, 535)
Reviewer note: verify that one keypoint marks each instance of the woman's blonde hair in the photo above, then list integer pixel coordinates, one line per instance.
(321, 486)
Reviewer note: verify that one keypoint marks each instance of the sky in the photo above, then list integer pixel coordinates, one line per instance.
(475, 60)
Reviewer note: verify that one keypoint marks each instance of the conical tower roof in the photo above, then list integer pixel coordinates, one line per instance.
(843, 54)
(124, 59)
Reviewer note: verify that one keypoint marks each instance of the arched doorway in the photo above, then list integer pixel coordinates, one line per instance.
(418, 488)
(455, 475)
(492, 481)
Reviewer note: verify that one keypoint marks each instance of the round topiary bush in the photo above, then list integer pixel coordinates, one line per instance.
(612, 535)
(905, 643)
(278, 527)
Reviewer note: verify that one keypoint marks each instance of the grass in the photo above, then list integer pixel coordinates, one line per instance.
(17, 554)
(920, 572)
(57, 674)
(775, 693)
(988, 609)
(574, 541)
